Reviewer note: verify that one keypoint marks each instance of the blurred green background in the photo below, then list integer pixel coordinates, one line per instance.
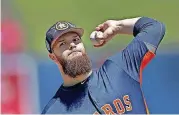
(38, 15)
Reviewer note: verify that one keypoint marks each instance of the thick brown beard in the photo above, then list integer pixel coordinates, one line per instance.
(76, 66)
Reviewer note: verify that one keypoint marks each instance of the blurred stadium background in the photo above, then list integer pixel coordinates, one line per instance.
(29, 78)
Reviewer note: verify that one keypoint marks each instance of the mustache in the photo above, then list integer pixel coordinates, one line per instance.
(74, 51)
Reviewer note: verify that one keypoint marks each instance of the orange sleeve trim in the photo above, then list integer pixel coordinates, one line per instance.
(146, 59)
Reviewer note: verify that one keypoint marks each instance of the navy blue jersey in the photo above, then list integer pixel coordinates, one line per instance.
(115, 87)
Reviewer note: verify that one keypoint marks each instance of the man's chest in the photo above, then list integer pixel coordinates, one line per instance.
(101, 103)
(103, 96)
(117, 95)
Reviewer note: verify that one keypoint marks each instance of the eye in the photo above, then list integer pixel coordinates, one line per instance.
(63, 43)
(76, 39)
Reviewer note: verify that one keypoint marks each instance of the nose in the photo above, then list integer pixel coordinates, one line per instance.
(72, 45)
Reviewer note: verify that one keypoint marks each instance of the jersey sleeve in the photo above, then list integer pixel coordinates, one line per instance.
(148, 34)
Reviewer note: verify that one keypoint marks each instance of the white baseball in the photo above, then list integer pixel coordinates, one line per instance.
(94, 35)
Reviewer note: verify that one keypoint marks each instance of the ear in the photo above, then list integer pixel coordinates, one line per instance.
(53, 57)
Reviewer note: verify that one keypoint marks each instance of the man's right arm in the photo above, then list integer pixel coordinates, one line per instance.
(148, 33)
(147, 30)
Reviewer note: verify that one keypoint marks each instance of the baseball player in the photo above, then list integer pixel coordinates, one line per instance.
(115, 88)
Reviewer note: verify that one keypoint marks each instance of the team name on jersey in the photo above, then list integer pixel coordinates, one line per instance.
(121, 106)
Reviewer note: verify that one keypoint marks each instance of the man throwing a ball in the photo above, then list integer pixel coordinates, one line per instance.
(115, 88)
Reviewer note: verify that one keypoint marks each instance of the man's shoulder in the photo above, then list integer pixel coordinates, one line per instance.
(49, 105)
(115, 55)
(48, 109)
(112, 62)
(54, 106)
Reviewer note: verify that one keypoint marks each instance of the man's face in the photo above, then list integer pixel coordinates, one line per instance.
(70, 53)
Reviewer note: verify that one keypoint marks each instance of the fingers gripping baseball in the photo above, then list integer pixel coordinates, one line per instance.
(109, 33)
(102, 27)
(105, 32)
(108, 28)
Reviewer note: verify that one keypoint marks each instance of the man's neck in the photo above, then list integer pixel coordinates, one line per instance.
(69, 81)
